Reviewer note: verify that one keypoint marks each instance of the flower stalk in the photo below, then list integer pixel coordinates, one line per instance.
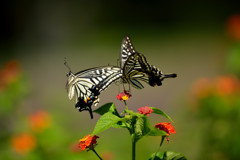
(96, 154)
(163, 137)
(133, 149)
(126, 105)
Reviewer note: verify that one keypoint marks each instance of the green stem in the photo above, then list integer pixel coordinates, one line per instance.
(126, 105)
(133, 137)
(163, 137)
(96, 153)
(133, 149)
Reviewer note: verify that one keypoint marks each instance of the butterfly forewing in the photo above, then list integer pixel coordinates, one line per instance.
(111, 74)
(101, 77)
(127, 49)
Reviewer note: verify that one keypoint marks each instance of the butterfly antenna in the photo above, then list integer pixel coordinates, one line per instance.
(66, 64)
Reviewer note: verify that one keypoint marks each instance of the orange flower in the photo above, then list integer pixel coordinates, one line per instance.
(145, 110)
(167, 127)
(233, 26)
(39, 121)
(88, 142)
(124, 95)
(9, 74)
(226, 85)
(23, 143)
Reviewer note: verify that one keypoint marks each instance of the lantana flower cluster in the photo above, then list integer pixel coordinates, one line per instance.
(9, 73)
(23, 143)
(167, 127)
(88, 142)
(145, 110)
(124, 95)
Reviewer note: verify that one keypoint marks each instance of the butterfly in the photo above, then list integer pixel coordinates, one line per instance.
(135, 67)
(88, 84)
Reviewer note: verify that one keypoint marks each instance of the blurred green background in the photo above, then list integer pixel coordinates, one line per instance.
(200, 41)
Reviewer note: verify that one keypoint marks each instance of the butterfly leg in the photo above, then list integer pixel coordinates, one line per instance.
(90, 112)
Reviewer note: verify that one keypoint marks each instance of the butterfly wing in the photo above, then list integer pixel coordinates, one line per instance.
(88, 84)
(83, 81)
(133, 72)
(129, 62)
(127, 50)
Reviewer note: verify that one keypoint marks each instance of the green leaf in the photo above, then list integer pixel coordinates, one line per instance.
(142, 127)
(122, 123)
(157, 156)
(119, 124)
(174, 156)
(160, 112)
(168, 155)
(106, 121)
(108, 107)
(156, 132)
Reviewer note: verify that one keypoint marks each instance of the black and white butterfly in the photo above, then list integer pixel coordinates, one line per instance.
(88, 84)
(135, 67)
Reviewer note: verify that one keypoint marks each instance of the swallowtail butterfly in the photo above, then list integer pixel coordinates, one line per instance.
(133, 62)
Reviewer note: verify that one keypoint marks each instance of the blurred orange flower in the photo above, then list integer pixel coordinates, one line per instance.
(88, 142)
(145, 110)
(9, 74)
(108, 155)
(124, 95)
(233, 26)
(223, 85)
(39, 121)
(167, 127)
(226, 85)
(202, 88)
(23, 143)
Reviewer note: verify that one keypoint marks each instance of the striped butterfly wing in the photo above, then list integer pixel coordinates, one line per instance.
(133, 73)
(129, 62)
(136, 67)
(101, 77)
(127, 50)
(88, 84)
